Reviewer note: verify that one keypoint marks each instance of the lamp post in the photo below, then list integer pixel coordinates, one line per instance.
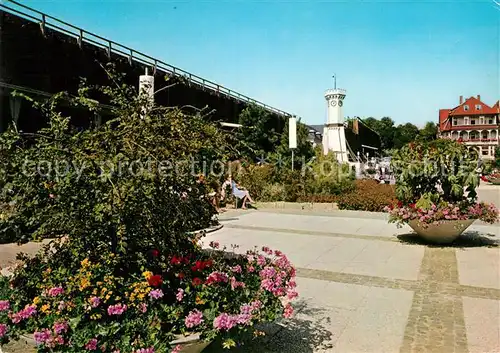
(292, 136)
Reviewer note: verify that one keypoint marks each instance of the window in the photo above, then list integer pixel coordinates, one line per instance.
(466, 107)
(454, 122)
(473, 121)
(486, 152)
(478, 106)
(490, 121)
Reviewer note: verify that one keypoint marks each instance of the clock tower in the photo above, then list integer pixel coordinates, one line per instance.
(334, 130)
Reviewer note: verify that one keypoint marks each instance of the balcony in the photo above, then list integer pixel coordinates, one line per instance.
(478, 140)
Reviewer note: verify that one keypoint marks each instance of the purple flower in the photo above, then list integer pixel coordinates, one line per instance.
(116, 309)
(180, 294)
(26, 313)
(194, 318)
(4, 305)
(3, 330)
(156, 294)
(236, 269)
(95, 301)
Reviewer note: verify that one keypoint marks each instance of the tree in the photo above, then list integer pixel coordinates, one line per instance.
(258, 135)
(429, 132)
(404, 134)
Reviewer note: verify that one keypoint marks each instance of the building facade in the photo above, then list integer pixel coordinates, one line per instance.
(473, 123)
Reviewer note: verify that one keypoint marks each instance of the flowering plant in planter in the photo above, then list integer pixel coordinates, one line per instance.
(95, 309)
(125, 274)
(436, 182)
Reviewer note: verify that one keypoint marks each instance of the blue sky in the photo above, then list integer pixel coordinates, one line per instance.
(403, 59)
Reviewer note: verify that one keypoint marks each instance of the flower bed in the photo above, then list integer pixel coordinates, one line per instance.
(96, 309)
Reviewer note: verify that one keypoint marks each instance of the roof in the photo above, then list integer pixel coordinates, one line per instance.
(444, 123)
(471, 103)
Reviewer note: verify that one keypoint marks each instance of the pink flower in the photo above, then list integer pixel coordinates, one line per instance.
(145, 350)
(224, 322)
(236, 269)
(291, 294)
(60, 327)
(216, 277)
(194, 318)
(180, 294)
(4, 305)
(3, 330)
(177, 349)
(42, 336)
(54, 292)
(143, 307)
(95, 301)
(288, 312)
(251, 269)
(261, 260)
(91, 345)
(156, 294)
(116, 309)
(27, 312)
(235, 284)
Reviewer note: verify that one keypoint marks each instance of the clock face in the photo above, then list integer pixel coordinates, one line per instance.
(340, 103)
(333, 103)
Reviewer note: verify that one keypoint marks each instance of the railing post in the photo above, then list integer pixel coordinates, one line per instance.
(155, 67)
(42, 25)
(109, 49)
(80, 39)
(131, 55)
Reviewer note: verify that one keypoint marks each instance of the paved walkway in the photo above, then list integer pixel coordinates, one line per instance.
(367, 286)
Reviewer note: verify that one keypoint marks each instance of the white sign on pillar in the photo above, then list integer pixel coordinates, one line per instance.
(292, 132)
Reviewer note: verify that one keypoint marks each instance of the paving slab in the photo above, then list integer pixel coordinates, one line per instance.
(479, 267)
(482, 322)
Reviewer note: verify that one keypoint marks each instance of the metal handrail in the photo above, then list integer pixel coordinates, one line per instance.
(131, 54)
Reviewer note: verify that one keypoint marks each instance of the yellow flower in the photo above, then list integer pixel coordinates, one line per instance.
(200, 301)
(147, 274)
(36, 300)
(84, 283)
(95, 316)
(45, 308)
(85, 263)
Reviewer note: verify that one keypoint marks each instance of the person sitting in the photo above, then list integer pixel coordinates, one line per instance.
(239, 192)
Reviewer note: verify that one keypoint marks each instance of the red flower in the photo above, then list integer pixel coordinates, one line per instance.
(201, 265)
(197, 281)
(175, 260)
(155, 253)
(155, 281)
(181, 275)
(400, 204)
(412, 205)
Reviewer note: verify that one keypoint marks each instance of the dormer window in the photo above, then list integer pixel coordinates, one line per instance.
(478, 106)
(466, 107)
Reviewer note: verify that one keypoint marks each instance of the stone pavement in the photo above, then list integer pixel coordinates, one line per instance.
(489, 193)
(367, 286)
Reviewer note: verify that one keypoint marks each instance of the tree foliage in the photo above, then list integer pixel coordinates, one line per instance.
(126, 185)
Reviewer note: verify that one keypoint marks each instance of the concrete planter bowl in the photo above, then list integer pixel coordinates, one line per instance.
(189, 344)
(443, 233)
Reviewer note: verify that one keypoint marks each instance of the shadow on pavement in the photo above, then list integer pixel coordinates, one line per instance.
(469, 239)
(306, 332)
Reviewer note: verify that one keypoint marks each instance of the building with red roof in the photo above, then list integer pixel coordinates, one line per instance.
(474, 123)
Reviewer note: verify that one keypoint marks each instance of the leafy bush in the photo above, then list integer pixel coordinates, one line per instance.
(273, 192)
(368, 195)
(436, 181)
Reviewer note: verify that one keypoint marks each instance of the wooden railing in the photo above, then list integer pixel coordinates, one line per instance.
(81, 35)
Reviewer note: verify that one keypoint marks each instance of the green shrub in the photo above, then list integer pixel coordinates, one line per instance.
(273, 193)
(368, 195)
